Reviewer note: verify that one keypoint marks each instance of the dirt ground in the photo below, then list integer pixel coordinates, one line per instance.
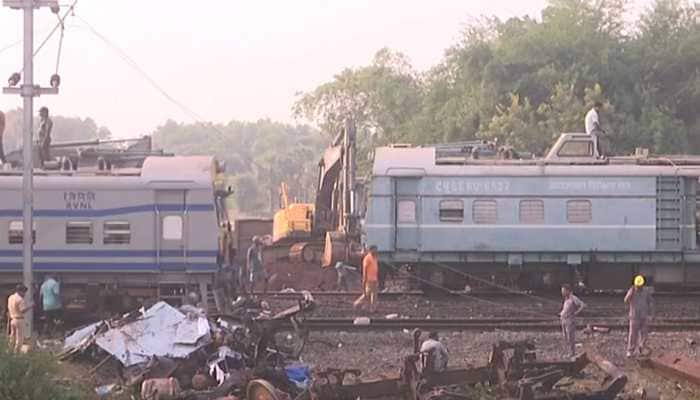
(379, 355)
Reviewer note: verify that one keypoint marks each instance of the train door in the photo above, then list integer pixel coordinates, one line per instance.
(407, 214)
(171, 214)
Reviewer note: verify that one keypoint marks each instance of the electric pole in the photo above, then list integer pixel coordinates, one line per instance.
(28, 91)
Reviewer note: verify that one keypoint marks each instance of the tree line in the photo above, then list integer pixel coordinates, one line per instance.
(259, 156)
(524, 81)
(65, 129)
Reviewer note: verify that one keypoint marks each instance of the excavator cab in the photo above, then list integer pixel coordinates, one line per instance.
(292, 221)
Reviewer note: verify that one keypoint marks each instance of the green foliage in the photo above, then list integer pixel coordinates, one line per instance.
(524, 81)
(259, 156)
(376, 97)
(33, 376)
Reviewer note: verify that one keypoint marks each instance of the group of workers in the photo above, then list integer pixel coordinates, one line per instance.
(18, 306)
(639, 298)
(44, 142)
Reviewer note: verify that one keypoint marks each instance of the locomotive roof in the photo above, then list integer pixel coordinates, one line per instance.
(421, 161)
(156, 172)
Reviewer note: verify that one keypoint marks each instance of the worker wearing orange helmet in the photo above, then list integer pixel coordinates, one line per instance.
(641, 304)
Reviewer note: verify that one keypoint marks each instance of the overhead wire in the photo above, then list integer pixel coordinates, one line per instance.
(61, 21)
(133, 64)
(474, 298)
(494, 284)
(511, 290)
(59, 24)
(10, 46)
(141, 71)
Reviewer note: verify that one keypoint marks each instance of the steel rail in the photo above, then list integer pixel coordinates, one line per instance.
(458, 293)
(482, 324)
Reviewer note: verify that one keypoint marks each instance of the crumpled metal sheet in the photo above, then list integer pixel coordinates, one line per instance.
(162, 331)
(79, 337)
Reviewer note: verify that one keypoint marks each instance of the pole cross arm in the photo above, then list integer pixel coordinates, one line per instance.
(30, 91)
(20, 4)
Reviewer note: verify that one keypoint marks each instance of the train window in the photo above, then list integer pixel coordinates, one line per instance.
(578, 211)
(116, 232)
(576, 148)
(531, 211)
(79, 232)
(407, 211)
(485, 211)
(172, 227)
(16, 231)
(452, 210)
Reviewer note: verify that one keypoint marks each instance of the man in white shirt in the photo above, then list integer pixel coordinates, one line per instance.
(436, 351)
(570, 308)
(17, 308)
(593, 127)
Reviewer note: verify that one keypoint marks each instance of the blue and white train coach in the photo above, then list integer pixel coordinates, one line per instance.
(117, 235)
(570, 217)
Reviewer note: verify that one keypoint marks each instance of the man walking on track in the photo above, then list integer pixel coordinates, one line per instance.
(641, 303)
(370, 279)
(570, 308)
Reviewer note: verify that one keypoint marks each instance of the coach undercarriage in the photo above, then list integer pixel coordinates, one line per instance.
(595, 273)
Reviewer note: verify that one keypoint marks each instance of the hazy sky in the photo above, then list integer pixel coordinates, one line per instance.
(227, 59)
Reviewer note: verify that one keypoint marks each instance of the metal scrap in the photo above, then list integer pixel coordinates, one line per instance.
(675, 367)
(160, 331)
(512, 368)
(207, 358)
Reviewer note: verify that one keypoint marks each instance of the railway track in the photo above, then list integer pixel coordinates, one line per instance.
(457, 294)
(487, 324)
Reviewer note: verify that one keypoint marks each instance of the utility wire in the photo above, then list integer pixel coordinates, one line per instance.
(494, 284)
(59, 24)
(466, 296)
(126, 58)
(10, 46)
(133, 64)
(512, 291)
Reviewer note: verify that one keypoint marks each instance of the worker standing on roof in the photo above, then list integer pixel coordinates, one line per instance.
(593, 127)
(641, 303)
(45, 127)
(571, 307)
(370, 279)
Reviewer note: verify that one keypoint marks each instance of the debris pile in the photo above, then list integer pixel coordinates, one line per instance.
(512, 371)
(251, 353)
(165, 352)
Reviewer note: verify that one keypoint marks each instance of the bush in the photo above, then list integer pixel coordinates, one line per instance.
(33, 376)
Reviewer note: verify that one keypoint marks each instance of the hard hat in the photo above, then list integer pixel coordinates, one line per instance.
(638, 280)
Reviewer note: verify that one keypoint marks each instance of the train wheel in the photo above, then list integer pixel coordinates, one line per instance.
(260, 389)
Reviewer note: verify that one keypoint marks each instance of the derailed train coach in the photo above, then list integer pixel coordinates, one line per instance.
(117, 237)
(456, 219)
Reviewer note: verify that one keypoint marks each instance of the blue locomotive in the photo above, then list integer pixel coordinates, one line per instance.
(570, 216)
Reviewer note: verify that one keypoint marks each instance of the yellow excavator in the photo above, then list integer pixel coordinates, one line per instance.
(292, 221)
(322, 231)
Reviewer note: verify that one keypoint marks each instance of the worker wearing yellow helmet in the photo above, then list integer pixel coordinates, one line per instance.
(641, 304)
